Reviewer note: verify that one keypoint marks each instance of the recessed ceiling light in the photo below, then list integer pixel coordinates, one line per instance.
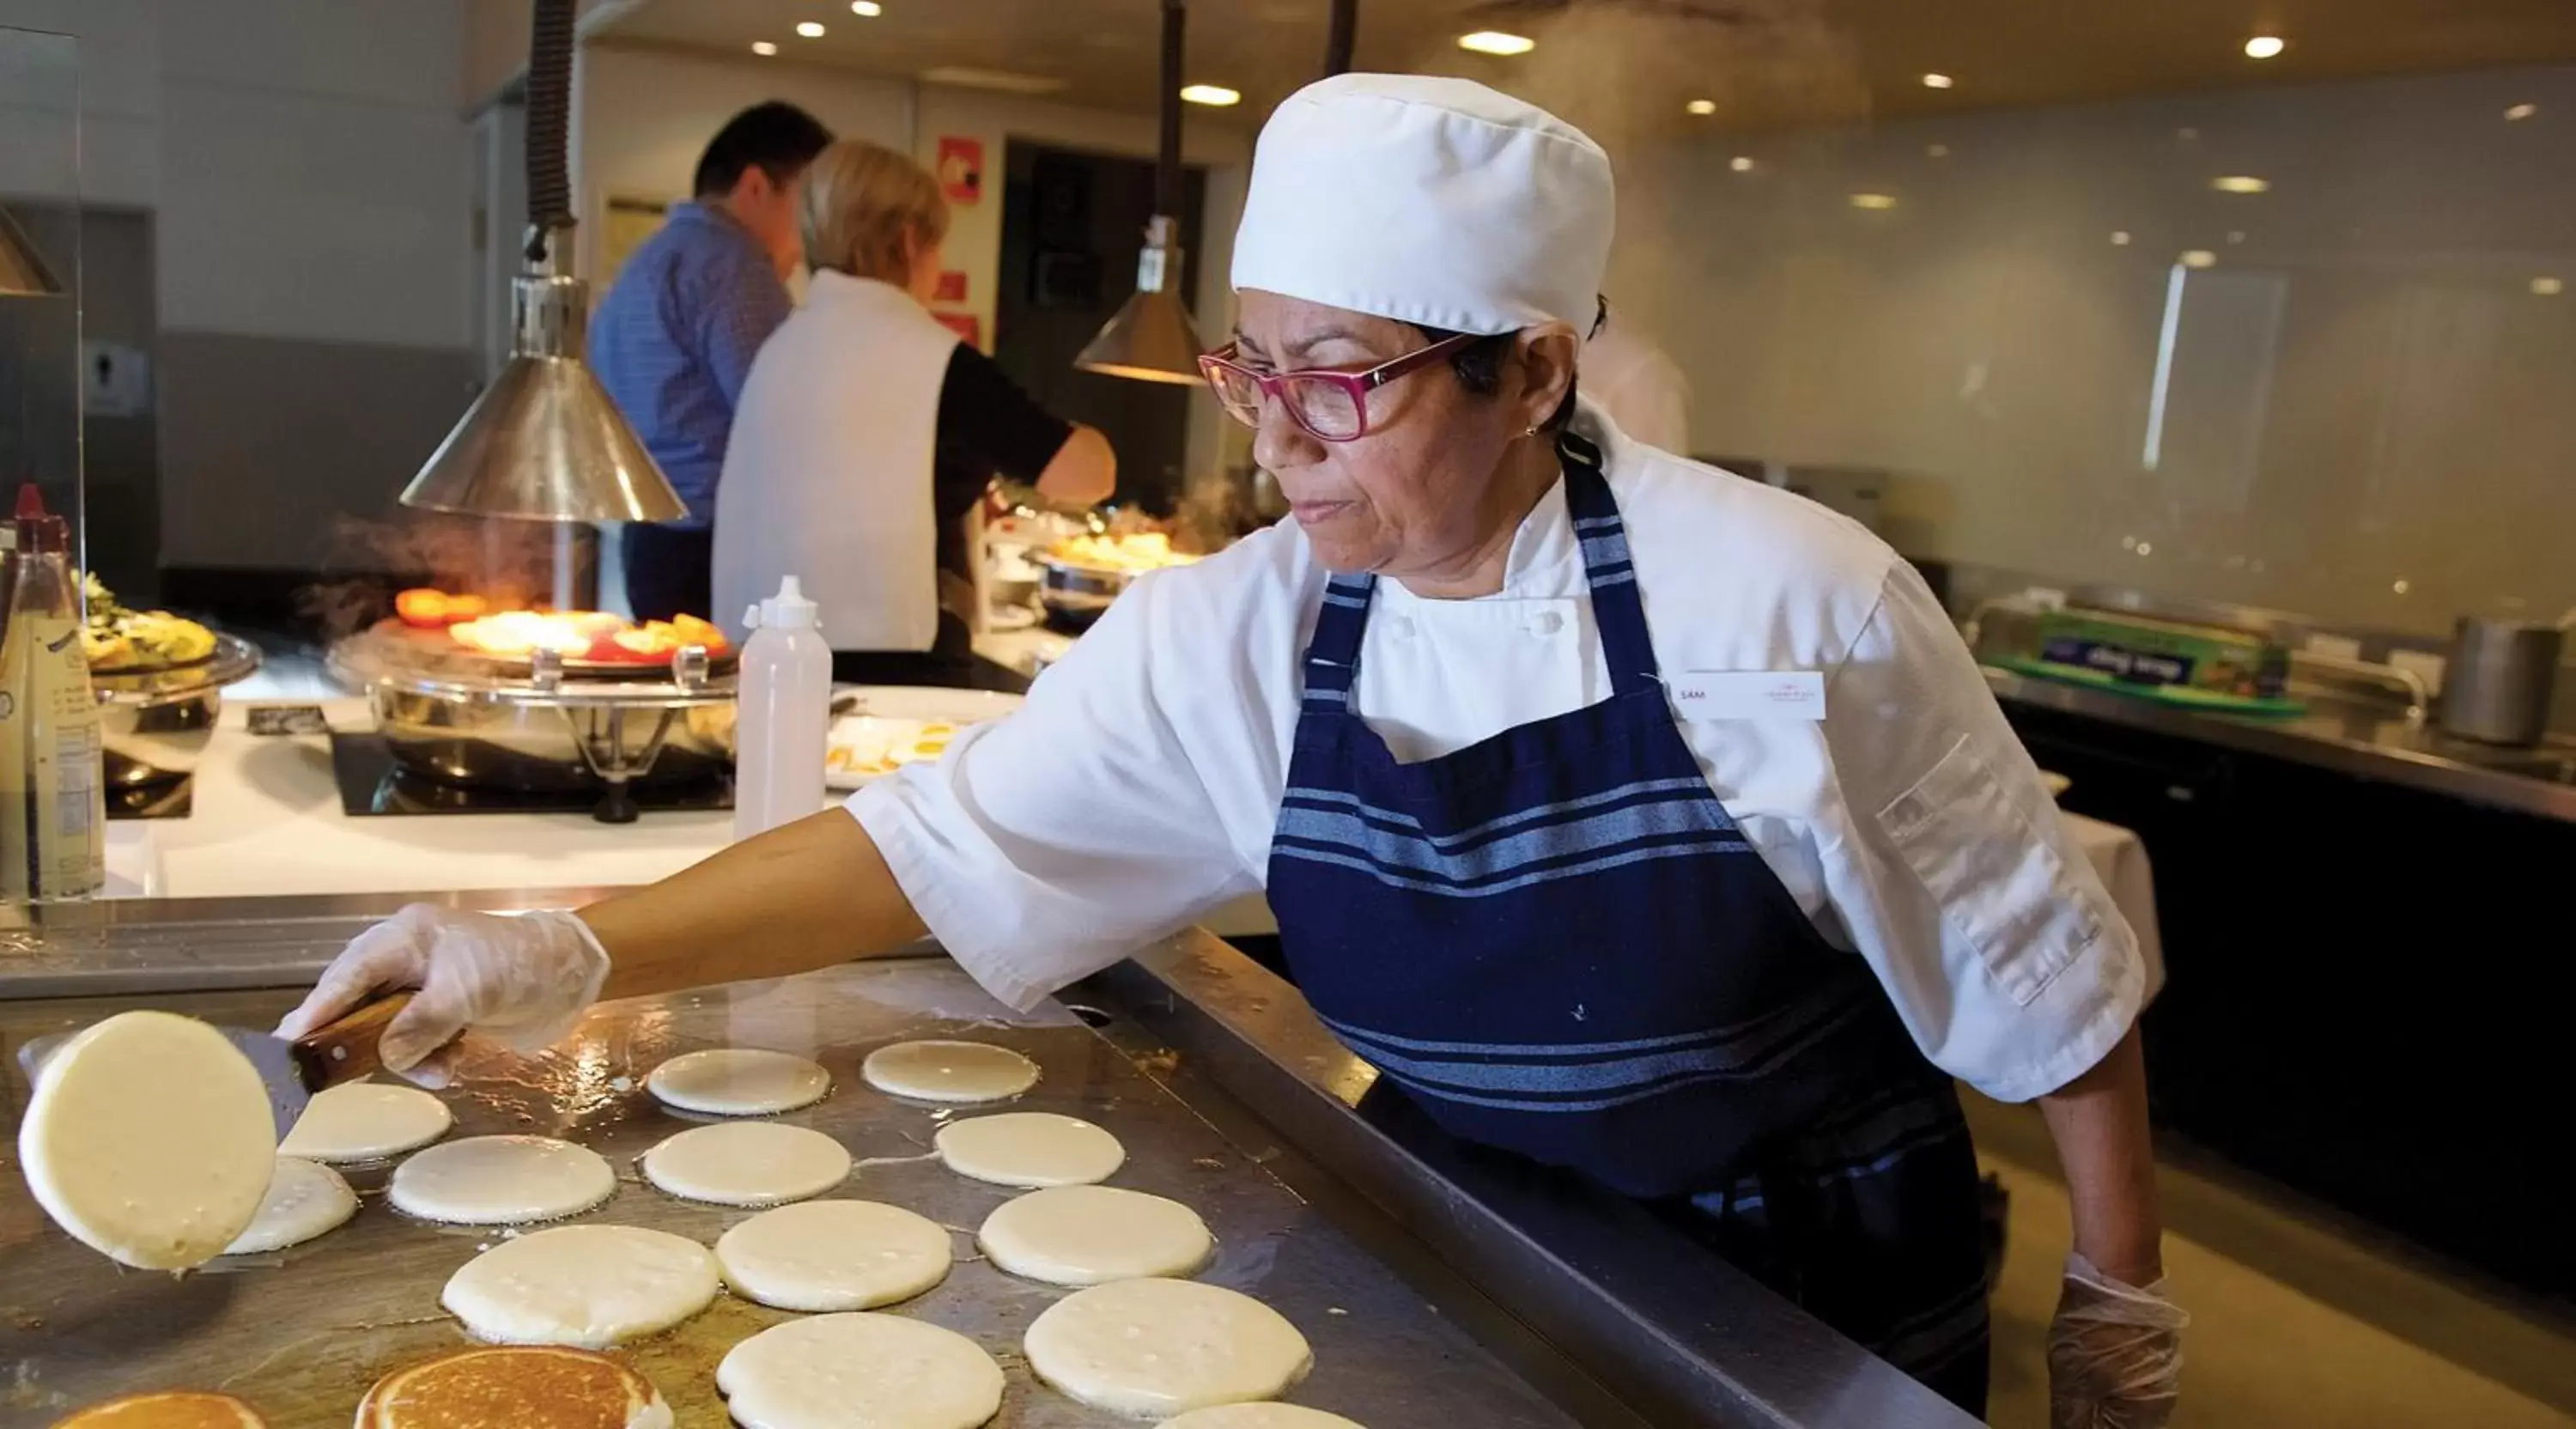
(1873, 200)
(1496, 42)
(1741, 163)
(810, 29)
(866, 9)
(2264, 47)
(2119, 238)
(2235, 235)
(2400, 585)
(2548, 287)
(1702, 106)
(2522, 111)
(1938, 81)
(1001, 81)
(763, 47)
(2186, 135)
(2199, 258)
(1213, 94)
(2240, 184)
(1937, 151)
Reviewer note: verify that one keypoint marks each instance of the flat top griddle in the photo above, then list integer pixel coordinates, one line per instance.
(301, 1334)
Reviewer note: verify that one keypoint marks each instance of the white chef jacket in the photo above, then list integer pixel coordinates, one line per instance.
(1139, 787)
(1635, 384)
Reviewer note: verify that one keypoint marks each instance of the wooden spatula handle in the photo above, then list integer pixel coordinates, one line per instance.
(345, 1050)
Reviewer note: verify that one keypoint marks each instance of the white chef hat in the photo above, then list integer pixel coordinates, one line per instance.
(1432, 201)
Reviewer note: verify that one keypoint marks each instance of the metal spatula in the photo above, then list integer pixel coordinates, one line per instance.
(336, 1052)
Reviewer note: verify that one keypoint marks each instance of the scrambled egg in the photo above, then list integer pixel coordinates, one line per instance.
(118, 640)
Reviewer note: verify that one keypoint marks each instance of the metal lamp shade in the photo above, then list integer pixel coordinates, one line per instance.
(23, 273)
(544, 442)
(1150, 339)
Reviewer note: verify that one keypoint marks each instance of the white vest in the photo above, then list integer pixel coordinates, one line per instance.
(828, 475)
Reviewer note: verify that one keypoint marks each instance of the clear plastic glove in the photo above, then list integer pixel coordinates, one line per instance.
(2114, 1353)
(524, 981)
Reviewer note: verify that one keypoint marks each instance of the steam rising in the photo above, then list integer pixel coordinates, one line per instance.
(510, 562)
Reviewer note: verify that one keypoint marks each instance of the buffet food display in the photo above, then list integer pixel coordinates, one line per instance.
(545, 701)
(1079, 575)
(120, 641)
(159, 679)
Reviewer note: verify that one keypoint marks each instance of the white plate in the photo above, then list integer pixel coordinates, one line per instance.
(882, 721)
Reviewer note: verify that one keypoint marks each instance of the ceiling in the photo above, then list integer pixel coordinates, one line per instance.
(1627, 65)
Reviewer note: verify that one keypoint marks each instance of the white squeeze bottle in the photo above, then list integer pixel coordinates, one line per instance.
(782, 713)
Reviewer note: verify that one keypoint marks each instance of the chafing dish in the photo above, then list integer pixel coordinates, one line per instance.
(541, 723)
(156, 723)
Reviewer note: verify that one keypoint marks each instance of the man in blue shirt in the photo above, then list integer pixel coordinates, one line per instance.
(674, 338)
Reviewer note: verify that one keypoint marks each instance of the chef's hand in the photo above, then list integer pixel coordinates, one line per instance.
(523, 980)
(2114, 1353)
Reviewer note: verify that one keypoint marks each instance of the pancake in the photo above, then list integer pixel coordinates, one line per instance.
(1029, 1148)
(1091, 1235)
(585, 1286)
(150, 1139)
(524, 1387)
(747, 1163)
(166, 1409)
(366, 1121)
(943, 1071)
(501, 1181)
(1152, 1348)
(738, 1081)
(305, 1199)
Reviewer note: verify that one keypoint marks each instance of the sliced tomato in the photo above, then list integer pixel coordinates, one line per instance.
(423, 607)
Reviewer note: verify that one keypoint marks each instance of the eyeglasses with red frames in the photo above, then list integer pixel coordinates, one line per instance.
(1327, 405)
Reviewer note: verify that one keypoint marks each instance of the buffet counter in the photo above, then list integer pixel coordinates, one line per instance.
(1430, 1289)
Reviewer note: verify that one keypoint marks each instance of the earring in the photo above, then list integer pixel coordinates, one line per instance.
(1530, 431)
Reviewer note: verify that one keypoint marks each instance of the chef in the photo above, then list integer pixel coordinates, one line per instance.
(868, 434)
(1655, 828)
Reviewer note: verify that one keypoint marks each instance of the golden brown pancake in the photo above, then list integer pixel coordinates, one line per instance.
(524, 1386)
(166, 1409)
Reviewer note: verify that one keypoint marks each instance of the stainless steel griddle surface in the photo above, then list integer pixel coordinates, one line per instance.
(303, 1333)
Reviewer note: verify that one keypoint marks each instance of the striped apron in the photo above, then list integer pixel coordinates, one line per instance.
(1558, 943)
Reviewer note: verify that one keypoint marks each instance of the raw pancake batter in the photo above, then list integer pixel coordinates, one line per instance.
(1089, 1235)
(860, 1372)
(738, 1081)
(941, 1071)
(585, 1286)
(1029, 1148)
(166, 1409)
(1258, 1416)
(748, 1163)
(150, 1139)
(305, 1198)
(525, 1387)
(366, 1121)
(501, 1180)
(834, 1255)
(1160, 1347)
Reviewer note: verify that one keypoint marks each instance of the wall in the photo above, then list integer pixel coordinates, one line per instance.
(644, 114)
(2368, 410)
(308, 172)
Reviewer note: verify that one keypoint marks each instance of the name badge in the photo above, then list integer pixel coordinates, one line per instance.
(1750, 694)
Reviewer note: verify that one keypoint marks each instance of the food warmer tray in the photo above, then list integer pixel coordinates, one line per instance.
(1434, 1294)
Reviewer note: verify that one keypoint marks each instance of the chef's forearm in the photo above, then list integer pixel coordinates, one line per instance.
(800, 897)
(2099, 1122)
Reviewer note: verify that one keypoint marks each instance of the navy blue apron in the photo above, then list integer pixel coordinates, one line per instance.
(1557, 942)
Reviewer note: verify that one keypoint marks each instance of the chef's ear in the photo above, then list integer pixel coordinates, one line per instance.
(1545, 355)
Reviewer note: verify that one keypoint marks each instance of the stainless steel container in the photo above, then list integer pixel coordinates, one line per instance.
(2499, 680)
(544, 724)
(155, 724)
(1074, 594)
